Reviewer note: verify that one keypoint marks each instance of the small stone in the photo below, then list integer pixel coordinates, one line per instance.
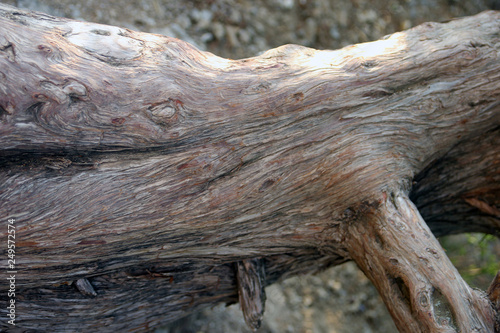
(406, 25)
(231, 36)
(261, 44)
(183, 21)
(286, 4)
(235, 17)
(367, 15)
(206, 37)
(203, 18)
(244, 36)
(218, 30)
(343, 17)
(334, 32)
(322, 293)
(311, 29)
(335, 285)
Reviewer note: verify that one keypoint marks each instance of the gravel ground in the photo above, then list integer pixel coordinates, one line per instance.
(243, 28)
(340, 299)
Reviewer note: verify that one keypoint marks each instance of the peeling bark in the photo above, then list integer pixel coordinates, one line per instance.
(146, 178)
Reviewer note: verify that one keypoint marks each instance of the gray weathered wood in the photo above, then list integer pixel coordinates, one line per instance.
(149, 168)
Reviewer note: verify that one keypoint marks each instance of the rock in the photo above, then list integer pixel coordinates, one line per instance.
(285, 4)
(311, 27)
(244, 36)
(218, 30)
(203, 18)
(231, 36)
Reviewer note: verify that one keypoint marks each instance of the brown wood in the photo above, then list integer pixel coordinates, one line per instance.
(494, 296)
(250, 275)
(422, 290)
(142, 170)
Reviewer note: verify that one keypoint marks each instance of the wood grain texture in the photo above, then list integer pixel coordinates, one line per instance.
(494, 296)
(460, 191)
(419, 285)
(150, 168)
(250, 275)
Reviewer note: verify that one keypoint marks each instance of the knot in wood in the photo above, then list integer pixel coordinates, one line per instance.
(165, 112)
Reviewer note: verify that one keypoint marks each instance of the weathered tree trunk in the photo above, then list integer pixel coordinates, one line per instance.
(145, 178)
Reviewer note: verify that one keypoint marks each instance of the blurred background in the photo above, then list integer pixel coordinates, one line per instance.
(340, 299)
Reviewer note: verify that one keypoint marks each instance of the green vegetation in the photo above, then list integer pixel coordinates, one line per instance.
(475, 256)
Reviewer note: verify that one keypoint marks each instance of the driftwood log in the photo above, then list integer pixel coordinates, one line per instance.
(146, 179)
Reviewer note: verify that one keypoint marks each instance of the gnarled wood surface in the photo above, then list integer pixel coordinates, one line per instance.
(151, 171)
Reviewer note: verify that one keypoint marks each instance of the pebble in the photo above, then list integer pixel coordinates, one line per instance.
(286, 4)
(203, 18)
(183, 21)
(244, 36)
(218, 30)
(231, 36)
(311, 28)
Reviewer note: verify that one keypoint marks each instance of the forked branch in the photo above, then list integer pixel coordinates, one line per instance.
(421, 288)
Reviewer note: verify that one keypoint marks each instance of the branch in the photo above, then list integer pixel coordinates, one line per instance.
(134, 162)
(459, 192)
(421, 288)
